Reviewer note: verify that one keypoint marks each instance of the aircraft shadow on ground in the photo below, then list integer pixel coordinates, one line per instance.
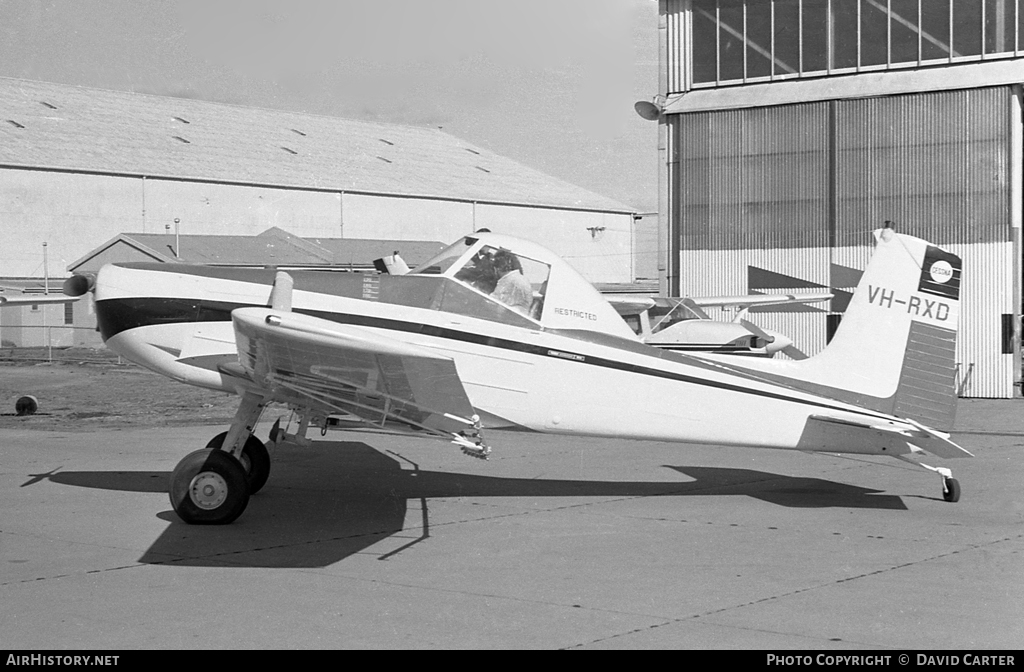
(321, 506)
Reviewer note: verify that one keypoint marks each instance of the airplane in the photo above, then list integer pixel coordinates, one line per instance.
(11, 301)
(681, 324)
(447, 350)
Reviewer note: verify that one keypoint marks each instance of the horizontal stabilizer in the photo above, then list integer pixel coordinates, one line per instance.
(915, 434)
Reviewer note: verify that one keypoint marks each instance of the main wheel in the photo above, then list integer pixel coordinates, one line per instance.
(255, 460)
(950, 490)
(209, 487)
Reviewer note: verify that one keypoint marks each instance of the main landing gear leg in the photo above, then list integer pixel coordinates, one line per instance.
(212, 486)
(950, 486)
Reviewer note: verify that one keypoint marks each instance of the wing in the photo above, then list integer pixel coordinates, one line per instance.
(339, 368)
(631, 304)
(748, 300)
(32, 300)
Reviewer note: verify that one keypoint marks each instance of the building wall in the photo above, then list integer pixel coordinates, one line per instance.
(766, 191)
(645, 247)
(597, 245)
(601, 255)
(75, 213)
(42, 325)
(210, 208)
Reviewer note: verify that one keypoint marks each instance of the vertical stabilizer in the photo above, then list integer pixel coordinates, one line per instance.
(895, 349)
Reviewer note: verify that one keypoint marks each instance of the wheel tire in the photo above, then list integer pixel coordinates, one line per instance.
(209, 487)
(27, 405)
(255, 460)
(951, 490)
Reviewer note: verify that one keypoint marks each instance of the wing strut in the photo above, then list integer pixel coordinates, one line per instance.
(281, 294)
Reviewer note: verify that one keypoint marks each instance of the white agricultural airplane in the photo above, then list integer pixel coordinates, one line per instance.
(449, 351)
(680, 323)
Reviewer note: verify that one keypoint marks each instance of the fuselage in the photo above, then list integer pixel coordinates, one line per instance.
(176, 320)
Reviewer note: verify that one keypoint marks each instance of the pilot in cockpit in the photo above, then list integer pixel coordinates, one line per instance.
(512, 287)
(479, 271)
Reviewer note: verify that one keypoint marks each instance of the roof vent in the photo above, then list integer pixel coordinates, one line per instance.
(12, 122)
(181, 139)
(290, 151)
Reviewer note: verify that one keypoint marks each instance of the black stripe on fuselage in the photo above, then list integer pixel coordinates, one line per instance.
(114, 316)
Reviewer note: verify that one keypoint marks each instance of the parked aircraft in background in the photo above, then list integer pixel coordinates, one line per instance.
(680, 323)
(21, 299)
(496, 331)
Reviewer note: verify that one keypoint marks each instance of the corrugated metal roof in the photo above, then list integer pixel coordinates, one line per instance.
(63, 127)
(273, 247)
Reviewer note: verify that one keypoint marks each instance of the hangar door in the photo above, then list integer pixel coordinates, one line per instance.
(785, 198)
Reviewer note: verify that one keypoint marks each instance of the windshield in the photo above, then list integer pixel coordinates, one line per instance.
(444, 259)
(493, 281)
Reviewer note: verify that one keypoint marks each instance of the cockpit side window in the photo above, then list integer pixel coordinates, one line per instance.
(500, 276)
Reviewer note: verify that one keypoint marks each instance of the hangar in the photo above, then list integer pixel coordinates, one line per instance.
(79, 166)
(790, 129)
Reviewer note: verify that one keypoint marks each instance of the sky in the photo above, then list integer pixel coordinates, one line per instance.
(548, 83)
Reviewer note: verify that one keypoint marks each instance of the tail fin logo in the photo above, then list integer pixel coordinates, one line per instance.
(940, 273)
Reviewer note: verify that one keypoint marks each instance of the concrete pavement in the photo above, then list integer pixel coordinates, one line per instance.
(379, 541)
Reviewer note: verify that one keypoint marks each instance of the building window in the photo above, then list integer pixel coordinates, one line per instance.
(69, 313)
(741, 41)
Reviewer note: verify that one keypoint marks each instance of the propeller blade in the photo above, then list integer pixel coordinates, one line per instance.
(757, 331)
(794, 352)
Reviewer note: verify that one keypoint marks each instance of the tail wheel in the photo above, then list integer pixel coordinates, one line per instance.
(209, 487)
(255, 460)
(951, 490)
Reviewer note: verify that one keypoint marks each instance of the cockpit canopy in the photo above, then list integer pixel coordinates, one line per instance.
(514, 281)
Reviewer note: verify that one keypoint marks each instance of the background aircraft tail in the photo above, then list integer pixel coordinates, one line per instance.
(895, 349)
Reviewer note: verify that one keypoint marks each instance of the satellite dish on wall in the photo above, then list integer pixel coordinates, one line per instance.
(647, 110)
